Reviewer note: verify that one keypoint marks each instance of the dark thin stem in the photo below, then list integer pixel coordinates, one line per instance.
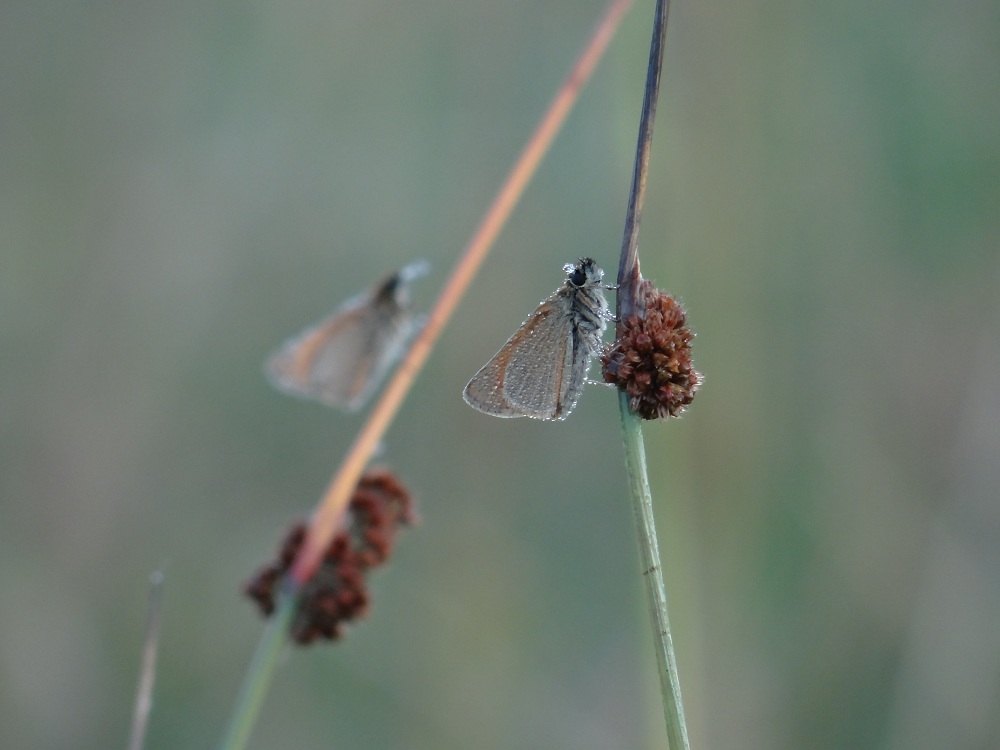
(628, 264)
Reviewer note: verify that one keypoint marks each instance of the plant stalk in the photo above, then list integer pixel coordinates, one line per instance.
(147, 674)
(258, 677)
(326, 520)
(652, 572)
(627, 304)
(327, 517)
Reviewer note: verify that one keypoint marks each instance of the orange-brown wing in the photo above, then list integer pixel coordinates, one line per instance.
(526, 377)
(538, 371)
(340, 360)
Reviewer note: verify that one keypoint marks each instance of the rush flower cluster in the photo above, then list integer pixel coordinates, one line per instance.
(651, 358)
(337, 593)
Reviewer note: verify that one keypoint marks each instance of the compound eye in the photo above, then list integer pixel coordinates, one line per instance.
(578, 277)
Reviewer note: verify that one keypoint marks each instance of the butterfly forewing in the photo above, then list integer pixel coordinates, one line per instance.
(326, 361)
(485, 391)
(540, 391)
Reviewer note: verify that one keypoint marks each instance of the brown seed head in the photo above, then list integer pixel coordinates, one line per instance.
(337, 593)
(651, 358)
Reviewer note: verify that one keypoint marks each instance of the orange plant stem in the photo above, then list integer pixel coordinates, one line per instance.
(328, 516)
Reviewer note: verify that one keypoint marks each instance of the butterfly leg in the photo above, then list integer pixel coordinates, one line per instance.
(589, 381)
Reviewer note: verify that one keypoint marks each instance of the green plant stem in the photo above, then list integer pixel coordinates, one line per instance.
(259, 674)
(649, 552)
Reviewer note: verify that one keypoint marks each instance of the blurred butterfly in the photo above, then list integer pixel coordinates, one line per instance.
(341, 360)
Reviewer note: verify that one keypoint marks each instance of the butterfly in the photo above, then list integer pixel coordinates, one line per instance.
(541, 371)
(341, 360)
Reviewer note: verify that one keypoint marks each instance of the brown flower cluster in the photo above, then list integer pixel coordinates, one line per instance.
(651, 358)
(337, 593)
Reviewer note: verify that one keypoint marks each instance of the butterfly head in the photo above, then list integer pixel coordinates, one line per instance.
(394, 290)
(585, 272)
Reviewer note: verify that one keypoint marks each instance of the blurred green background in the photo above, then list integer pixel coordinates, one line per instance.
(185, 184)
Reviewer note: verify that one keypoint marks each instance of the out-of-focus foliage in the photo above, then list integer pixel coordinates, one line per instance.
(185, 184)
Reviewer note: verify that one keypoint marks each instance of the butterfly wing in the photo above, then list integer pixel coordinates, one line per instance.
(539, 378)
(485, 391)
(341, 360)
(527, 377)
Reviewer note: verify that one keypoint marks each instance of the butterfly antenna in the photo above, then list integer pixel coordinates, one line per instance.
(414, 270)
